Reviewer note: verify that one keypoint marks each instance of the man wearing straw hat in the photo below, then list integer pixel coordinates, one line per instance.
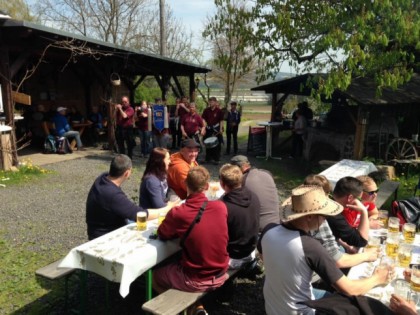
(290, 255)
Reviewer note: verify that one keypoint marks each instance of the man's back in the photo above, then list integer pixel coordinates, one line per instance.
(261, 183)
(205, 249)
(243, 221)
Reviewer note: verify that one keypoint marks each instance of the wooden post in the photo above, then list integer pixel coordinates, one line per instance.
(360, 134)
(5, 82)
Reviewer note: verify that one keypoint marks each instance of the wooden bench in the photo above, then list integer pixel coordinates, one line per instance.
(174, 301)
(52, 272)
(385, 190)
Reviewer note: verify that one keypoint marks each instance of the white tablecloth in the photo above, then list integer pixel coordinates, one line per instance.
(348, 168)
(122, 255)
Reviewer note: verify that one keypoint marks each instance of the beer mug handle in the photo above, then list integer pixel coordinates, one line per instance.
(414, 297)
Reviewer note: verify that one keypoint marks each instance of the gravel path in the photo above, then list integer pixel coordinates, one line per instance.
(50, 212)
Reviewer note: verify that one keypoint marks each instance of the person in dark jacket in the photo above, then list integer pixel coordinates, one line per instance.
(243, 216)
(107, 206)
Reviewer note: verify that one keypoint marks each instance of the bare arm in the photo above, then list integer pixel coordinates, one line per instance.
(154, 213)
(361, 286)
(350, 260)
(364, 219)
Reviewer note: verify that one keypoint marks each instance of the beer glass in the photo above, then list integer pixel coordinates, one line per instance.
(392, 243)
(409, 232)
(383, 218)
(402, 288)
(141, 221)
(393, 224)
(374, 242)
(404, 254)
(415, 278)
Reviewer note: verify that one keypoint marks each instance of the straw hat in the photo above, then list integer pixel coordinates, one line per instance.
(306, 200)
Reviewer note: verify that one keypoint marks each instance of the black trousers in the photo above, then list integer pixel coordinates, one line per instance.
(125, 136)
(232, 132)
(213, 153)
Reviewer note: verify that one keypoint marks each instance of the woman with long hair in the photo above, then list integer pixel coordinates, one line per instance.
(153, 187)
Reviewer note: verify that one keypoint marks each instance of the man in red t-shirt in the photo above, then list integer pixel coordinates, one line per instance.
(204, 260)
(213, 117)
(125, 132)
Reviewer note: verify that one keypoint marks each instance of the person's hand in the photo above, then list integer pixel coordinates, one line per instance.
(374, 223)
(173, 202)
(357, 206)
(372, 253)
(407, 274)
(118, 106)
(401, 306)
(349, 249)
(383, 273)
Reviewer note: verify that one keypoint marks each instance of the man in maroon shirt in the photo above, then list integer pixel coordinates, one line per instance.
(125, 133)
(204, 260)
(192, 124)
(182, 108)
(213, 117)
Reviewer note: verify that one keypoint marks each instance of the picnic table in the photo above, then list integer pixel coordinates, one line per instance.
(348, 168)
(122, 255)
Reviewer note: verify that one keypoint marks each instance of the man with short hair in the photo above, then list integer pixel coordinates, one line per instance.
(291, 255)
(107, 206)
(201, 226)
(125, 132)
(243, 216)
(192, 125)
(347, 192)
(232, 126)
(213, 117)
(63, 129)
(261, 183)
(181, 163)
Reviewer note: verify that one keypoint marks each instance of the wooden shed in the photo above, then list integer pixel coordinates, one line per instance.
(57, 68)
(360, 123)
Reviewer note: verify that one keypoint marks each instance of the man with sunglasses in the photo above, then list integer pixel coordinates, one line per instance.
(370, 192)
(348, 192)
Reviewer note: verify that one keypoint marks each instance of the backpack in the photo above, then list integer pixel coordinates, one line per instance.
(407, 210)
(63, 146)
(50, 145)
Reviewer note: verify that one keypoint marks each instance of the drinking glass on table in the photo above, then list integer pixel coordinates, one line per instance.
(409, 232)
(141, 221)
(387, 263)
(393, 224)
(402, 288)
(404, 254)
(392, 244)
(374, 242)
(383, 218)
(415, 278)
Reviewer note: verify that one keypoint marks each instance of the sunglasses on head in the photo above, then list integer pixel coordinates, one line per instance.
(370, 193)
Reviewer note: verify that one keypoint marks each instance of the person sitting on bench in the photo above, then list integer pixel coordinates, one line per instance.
(370, 192)
(201, 226)
(63, 129)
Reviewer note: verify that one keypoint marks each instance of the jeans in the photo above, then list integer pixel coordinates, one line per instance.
(319, 294)
(74, 134)
(145, 143)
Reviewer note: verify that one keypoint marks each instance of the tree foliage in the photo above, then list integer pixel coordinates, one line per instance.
(346, 38)
(17, 9)
(128, 23)
(233, 59)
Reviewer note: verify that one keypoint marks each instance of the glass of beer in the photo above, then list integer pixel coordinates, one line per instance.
(213, 189)
(393, 224)
(404, 254)
(392, 244)
(383, 218)
(415, 278)
(161, 217)
(402, 288)
(141, 221)
(409, 232)
(374, 242)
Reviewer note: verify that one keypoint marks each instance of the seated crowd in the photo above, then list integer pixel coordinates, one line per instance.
(316, 230)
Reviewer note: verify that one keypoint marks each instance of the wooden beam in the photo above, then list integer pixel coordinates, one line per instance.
(178, 85)
(21, 98)
(139, 81)
(19, 62)
(360, 134)
(192, 87)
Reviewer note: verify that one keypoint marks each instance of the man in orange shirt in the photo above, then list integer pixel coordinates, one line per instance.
(181, 163)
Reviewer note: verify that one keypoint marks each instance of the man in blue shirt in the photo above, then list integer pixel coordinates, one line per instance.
(63, 128)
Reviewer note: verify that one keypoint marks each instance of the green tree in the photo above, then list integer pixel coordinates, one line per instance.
(17, 9)
(347, 39)
(233, 59)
